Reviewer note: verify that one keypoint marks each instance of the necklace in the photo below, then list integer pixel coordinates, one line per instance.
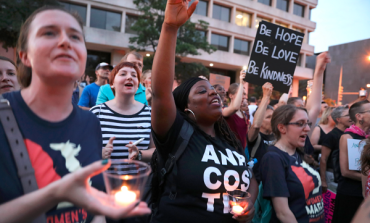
(295, 155)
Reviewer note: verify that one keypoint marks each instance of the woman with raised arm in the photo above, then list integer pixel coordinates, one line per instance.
(292, 185)
(349, 191)
(213, 161)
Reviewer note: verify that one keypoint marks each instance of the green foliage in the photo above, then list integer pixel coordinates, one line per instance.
(12, 15)
(190, 39)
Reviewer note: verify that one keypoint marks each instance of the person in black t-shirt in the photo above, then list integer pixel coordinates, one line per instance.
(213, 161)
(349, 191)
(330, 143)
(261, 127)
(292, 185)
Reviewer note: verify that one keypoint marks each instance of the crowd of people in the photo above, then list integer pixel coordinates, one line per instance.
(72, 130)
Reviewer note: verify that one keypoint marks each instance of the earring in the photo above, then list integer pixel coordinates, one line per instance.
(112, 86)
(186, 109)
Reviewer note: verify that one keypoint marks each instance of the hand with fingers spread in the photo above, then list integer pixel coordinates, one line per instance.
(178, 12)
(267, 89)
(108, 149)
(133, 151)
(76, 189)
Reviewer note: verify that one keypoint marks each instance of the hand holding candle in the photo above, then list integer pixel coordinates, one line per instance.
(125, 197)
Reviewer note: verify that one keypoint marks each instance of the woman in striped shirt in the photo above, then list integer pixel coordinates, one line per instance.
(124, 120)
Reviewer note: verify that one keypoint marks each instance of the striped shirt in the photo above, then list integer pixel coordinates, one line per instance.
(126, 128)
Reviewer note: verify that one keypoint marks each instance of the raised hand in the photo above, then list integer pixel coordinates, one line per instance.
(242, 76)
(177, 12)
(267, 89)
(321, 60)
(108, 149)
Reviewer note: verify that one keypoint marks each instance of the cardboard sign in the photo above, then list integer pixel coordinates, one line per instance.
(222, 80)
(355, 147)
(329, 204)
(274, 56)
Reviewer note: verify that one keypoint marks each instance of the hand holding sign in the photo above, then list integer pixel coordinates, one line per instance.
(274, 56)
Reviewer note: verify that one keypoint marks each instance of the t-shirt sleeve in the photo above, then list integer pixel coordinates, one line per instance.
(273, 176)
(84, 99)
(328, 141)
(166, 145)
(101, 96)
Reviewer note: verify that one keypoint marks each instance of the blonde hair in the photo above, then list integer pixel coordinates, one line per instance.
(144, 76)
(325, 116)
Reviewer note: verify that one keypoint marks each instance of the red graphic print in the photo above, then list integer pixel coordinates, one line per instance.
(306, 180)
(41, 163)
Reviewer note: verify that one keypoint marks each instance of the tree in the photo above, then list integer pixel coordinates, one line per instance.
(12, 15)
(191, 38)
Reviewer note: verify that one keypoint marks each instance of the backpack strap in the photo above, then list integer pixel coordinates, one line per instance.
(255, 146)
(26, 173)
(170, 166)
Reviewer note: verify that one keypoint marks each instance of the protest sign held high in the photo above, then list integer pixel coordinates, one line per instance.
(274, 56)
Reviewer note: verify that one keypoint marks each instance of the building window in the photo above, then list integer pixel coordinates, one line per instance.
(79, 9)
(266, 2)
(299, 62)
(129, 22)
(298, 10)
(220, 42)
(282, 4)
(221, 13)
(259, 19)
(105, 20)
(305, 38)
(243, 19)
(93, 59)
(241, 47)
(202, 7)
(282, 24)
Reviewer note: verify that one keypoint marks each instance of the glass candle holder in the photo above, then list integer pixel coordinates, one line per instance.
(125, 181)
(238, 200)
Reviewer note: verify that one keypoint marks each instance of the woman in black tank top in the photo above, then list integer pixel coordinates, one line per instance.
(326, 124)
(349, 191)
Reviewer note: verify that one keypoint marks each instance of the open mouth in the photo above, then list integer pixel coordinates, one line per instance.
(303, 137)
(129, 85)
(6, 86)
(215, 101)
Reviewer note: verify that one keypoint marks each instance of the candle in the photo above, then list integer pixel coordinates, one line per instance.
(237, 209)
(125, 197)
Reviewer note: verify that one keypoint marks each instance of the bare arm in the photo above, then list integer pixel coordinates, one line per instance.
(147, 154)
(283, 212)
(325, 152)
(236, 102)
(314, 101)
(364, 181)
(73, 187)
(343, 160)
(315, 139)
(84, 108)
(163, 104)
(260, 113)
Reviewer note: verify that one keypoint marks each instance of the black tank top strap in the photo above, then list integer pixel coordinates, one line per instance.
(354, 135)
(322, 135)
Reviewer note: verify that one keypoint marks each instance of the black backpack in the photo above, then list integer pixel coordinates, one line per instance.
(165, 172)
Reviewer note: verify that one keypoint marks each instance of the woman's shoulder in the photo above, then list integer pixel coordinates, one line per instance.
(274, 154)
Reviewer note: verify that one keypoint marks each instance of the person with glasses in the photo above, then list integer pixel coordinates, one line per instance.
(329, 162)
(90, 92)
(292, 185)
(105, 92)
(349, 191)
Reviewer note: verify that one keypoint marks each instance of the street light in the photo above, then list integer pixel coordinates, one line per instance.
(368, 57)
(211, 64)
(148, 55)
(368, 85)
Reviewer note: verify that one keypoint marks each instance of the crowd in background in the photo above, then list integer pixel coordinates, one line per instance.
(301, 148)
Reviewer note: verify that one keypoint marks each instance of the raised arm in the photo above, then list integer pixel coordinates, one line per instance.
(235, 104)
(260, 113)
(314, 101)
(163, 72)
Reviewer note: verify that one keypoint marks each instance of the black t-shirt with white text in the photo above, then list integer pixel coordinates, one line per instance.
(207, 169)
(288, 176)
(266, 141)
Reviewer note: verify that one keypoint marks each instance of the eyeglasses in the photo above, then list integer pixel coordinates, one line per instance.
(300, 124)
